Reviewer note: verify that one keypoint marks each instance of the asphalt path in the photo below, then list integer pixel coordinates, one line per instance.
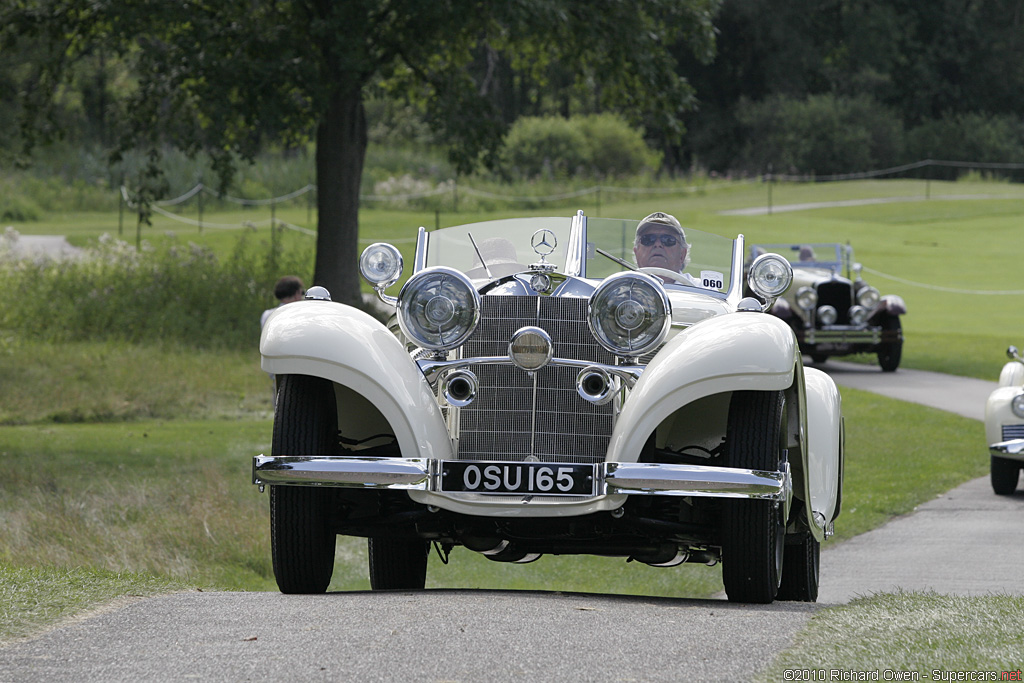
(965, 542)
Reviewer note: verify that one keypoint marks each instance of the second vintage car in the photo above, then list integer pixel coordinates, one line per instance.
(1004, 426)
(536, 392)
(832, 310)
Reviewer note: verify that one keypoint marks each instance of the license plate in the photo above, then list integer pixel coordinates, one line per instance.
(525, 478)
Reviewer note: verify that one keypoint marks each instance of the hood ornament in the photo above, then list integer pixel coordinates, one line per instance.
(544, 243)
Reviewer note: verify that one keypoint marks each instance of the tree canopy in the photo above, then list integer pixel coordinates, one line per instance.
(226, 77)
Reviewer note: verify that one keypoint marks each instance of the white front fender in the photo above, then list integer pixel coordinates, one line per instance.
(355, 351)
(734, 352)
(824, 444)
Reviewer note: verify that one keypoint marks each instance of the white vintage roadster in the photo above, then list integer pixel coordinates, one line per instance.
(1004, 426)
(537, 393)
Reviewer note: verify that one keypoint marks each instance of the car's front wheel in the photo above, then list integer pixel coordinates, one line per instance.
(889, 353)
(397, 563)
(1004, 474)
(302, 541)
(753, 531)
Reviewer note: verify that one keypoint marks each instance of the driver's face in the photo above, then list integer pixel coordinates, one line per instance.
(657, 254)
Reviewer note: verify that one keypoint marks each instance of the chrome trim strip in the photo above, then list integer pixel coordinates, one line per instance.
(1012, 449)
(420, 260)
(373, 473)
(695, 480)
(615, 478)
(840, 336)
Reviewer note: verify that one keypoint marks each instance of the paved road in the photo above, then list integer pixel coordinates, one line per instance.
(444, 635)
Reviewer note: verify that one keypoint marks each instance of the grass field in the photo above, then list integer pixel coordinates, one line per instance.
(127, 467)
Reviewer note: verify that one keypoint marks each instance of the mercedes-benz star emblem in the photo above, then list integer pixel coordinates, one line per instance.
(544, 242)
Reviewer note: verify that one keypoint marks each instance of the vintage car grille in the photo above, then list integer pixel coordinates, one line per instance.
(511, 421)
(839, 294)
(1013, 432)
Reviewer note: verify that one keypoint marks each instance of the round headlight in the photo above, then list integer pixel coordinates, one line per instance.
(1017, 405)
(868, 297)
(629, 314)
(381, 264)
(827, 315)
(438, 308)
(858, 314)
(770, 275)
(807, 298)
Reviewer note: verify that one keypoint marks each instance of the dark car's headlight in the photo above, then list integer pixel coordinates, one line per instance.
(629, 314)
(806, 298)
(438, 308)
(868, 297)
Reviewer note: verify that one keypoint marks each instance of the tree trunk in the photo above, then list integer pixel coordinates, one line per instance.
(340, 154)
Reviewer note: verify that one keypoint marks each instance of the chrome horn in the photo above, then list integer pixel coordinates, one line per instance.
(460, 387)
(596, 385)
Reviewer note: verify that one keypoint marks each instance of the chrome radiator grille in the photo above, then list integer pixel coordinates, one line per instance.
(515, 415)
(1013, 432)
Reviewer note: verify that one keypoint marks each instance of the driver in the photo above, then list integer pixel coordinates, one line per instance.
(661, 243)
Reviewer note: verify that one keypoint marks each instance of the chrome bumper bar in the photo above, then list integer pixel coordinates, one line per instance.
(613, 477)
(841, 335)
(1011, 450)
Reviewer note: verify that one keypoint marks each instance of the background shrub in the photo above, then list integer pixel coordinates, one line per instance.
(969, 137)
(822, 134)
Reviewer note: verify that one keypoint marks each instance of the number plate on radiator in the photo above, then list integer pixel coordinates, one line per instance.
(518, 478)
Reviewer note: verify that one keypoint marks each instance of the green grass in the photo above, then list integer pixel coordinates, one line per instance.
(921, 633)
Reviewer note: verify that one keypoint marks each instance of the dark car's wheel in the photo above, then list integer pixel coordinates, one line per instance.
(753, 531)
(889, 353)
(1004, 474)
(398, 563)
(819, 358)
(301, 539)
(801, 567)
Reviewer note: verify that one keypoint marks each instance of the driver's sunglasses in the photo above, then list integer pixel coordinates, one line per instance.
(666, 240)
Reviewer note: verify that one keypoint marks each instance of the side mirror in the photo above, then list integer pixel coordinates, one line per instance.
(1013, 354)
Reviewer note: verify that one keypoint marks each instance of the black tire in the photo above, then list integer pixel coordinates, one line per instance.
(397, 563)
(819, 358)
(301, 539)
(801, 567)
(753, 531)
(890, 353)
(1004, 474)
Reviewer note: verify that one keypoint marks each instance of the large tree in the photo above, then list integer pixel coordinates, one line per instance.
(224, 77)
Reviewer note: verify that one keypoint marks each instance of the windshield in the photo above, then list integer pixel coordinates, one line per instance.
(505, 245)
(707, 261)
(818, 255)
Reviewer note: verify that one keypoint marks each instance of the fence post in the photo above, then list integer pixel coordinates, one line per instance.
(769, 189)
(120, 209)
(200, 208)
(598, 201)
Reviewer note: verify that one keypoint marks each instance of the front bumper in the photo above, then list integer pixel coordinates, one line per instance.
(613, 477)
(1011, 450)
(840, 335)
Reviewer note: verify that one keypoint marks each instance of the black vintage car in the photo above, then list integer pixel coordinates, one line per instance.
(832, 310)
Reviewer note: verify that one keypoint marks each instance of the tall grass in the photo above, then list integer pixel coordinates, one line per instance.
(176, 292)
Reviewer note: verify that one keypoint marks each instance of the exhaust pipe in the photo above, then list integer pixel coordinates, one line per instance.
(596, 385)
(460, 387)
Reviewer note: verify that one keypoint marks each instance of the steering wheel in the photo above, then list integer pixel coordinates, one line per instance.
(665, 272)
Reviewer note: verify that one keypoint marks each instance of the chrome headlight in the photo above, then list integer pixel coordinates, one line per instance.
(438, 308)
(807, 298)
(868, 297)
(629, 314)
(858, 314)
(770, 275)
(827, 315)
(381, 264)
(1017, 405)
